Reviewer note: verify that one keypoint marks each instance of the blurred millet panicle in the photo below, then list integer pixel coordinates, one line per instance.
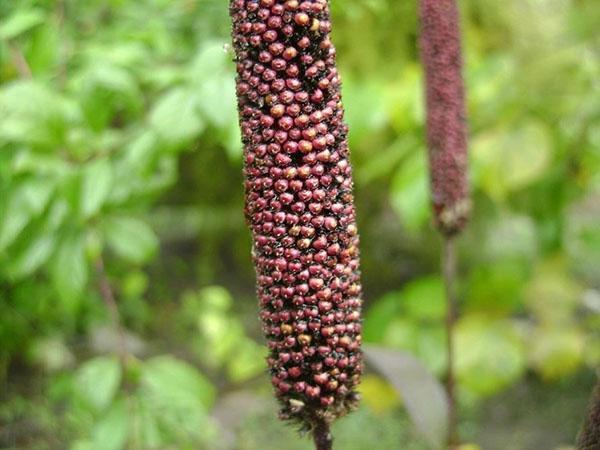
(589, 437)
(446, 117)
(299, 204)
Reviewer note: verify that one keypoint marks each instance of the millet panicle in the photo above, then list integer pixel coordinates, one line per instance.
(446, 117)
(299, 204)
(589, 437)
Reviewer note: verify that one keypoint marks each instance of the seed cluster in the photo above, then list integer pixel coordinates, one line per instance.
(299, 204)
(446, 116)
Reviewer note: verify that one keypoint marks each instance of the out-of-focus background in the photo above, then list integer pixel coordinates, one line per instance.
(127, 310)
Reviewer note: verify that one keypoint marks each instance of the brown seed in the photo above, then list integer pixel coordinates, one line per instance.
(277, 110)
(290, 53)
(304, 339)
(291, 5)
(305, 146)
(302, 19)
(315, 283)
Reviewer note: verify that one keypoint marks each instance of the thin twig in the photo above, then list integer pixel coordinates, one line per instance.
(108, 297)
(322, 436)
(449, 274)
(20, 62)
(59, 13)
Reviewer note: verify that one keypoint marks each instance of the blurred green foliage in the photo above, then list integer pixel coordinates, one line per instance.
(120, 164)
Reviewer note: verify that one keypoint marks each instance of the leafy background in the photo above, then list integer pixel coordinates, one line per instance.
(127, 314)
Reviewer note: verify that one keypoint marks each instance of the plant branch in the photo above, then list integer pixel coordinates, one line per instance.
(20, 62)
(449, 275)
(59, 13)
(108, 297)
(322, 436)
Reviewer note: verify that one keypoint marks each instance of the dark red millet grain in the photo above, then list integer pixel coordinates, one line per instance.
(299, 204)
(446, 117)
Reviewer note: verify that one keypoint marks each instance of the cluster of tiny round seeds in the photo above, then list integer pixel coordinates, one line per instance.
(299, 203)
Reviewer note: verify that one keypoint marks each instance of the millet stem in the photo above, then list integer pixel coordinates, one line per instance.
(449, 275)
(322, 436)
(19, 61)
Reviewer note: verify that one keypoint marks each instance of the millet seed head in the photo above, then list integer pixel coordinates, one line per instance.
(446, 116)
(299, 204)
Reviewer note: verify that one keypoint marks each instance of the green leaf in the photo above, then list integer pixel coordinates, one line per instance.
(221, 334)
(247, 362)
(25, 202)
(175, 118)
(43, 121)
(57, 213)
(424, 299)
(230, 137)
(512, 236)
(175, 384)
(112, 78)
(215, 298)
(401, 333)
(106, 90)
(222, 343)
(552, 295)
(20, 22)
(378, 394)
(51, 165)
(69, 268)
(50, 353)
(140, 153)
(146, 432)
(178, 398)
(365, 112)
(29, 255)
(111, 432)
(426, 342)
(98, 381)
(216, 100)
(130, 238)
(380, 315)
(556, 352)
(45, 46)
(489, 355)
(421, 300)
(506, 160)
(381, 165)
(404, 99)
(135, 284)
(410, 192)
(422, 393)
(96, 186)
(211, 62)
(13, 221)
(496, 288)
(82, 445)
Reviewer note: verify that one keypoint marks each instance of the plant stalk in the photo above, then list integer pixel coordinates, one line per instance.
(20, 63)
(322, 436)
(107, 294)
(449, 275)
